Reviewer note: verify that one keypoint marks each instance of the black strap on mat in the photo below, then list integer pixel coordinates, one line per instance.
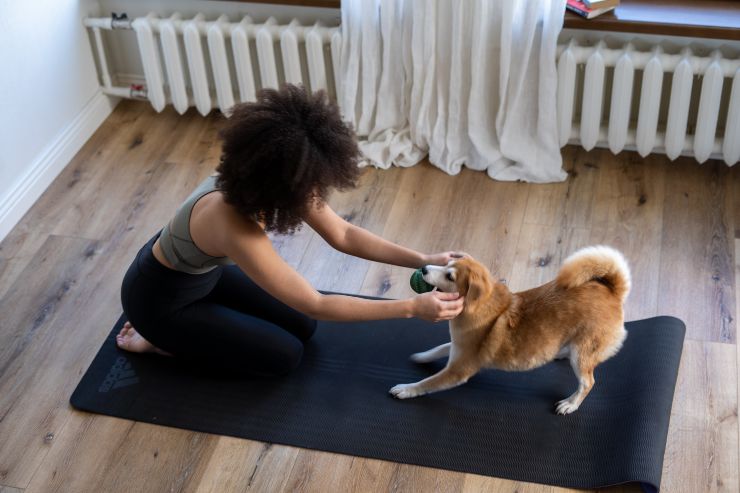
(498, 424)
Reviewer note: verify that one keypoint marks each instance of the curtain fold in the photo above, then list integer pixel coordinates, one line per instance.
(466, 82)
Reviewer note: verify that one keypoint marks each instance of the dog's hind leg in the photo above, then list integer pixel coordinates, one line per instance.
(450, 376)
(616, 344)
(434, 353)
(583, 367)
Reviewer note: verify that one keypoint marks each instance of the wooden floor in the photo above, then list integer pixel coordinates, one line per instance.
(678, 223)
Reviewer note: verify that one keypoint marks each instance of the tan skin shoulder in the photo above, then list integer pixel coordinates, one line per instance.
(207, 220)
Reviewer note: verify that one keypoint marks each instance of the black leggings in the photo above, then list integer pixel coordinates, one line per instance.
(220, 320)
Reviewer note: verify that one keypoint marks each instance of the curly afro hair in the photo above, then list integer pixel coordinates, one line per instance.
(282, 153)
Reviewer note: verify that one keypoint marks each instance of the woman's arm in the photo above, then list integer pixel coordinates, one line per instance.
(248, 246)
(359, 242)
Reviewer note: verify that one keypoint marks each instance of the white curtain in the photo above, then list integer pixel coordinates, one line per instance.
(470, 82)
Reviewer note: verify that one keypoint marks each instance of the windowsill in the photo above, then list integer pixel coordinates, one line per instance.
(331, 4)
(717, 19)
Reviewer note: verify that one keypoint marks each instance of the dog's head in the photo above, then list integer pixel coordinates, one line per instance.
(466, 276)
(484, 296)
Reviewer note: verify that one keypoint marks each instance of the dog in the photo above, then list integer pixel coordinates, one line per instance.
(578, 316)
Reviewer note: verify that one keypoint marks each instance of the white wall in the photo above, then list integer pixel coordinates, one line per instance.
(49, 98)
(50, 102)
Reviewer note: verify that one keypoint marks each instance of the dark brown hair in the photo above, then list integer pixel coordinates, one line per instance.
(281, 153)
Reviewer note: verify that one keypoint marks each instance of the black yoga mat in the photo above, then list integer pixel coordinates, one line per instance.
(498, 424)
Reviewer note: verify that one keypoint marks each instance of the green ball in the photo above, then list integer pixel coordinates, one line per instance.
(418, 283)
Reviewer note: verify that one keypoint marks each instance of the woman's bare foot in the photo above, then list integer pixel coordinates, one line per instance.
(130, 340)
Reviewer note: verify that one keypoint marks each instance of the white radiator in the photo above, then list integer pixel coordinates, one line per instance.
(240, 56)
(677, 104)
(636, 119)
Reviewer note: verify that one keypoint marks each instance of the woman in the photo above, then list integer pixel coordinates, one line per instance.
(282, 155)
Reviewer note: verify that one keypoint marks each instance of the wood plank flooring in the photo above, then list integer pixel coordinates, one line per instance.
(678, 223)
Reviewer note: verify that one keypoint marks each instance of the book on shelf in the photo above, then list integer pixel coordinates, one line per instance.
(583, 10)
(601, 4)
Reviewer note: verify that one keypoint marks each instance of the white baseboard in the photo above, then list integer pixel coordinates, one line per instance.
(52, 160)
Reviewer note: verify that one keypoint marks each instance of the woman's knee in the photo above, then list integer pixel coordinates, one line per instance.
(287, 358)
(306, 328)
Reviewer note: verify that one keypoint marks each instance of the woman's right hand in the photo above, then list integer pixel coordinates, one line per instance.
(436, 305)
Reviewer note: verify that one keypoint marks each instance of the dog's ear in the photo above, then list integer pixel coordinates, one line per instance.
(478, 286)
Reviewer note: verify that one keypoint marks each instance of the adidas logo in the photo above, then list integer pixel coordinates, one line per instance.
(120, 375)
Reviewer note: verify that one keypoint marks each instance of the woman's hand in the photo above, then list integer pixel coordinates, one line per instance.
(436, 305)
(443, 258)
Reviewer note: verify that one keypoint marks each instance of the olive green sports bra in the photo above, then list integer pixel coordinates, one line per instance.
(177, 244)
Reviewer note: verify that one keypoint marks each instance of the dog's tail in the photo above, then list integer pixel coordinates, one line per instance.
(597, 263)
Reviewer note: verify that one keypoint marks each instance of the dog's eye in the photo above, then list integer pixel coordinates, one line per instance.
(449, 276)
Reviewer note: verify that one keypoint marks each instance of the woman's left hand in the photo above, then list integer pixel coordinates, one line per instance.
(443, 258)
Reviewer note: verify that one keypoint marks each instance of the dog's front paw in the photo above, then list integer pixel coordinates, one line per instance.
(405, 391)
(566, 407)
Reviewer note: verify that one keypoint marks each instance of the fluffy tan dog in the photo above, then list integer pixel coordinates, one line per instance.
(578, 316)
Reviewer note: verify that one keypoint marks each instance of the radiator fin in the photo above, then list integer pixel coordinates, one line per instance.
(706, 125)
(173, 64)
(197, 64)
(593, 95)
(221, 72)
(647, 121)
(621, 102)
(678, 109)
(150, 59)
(240, 39)
(731, 146)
